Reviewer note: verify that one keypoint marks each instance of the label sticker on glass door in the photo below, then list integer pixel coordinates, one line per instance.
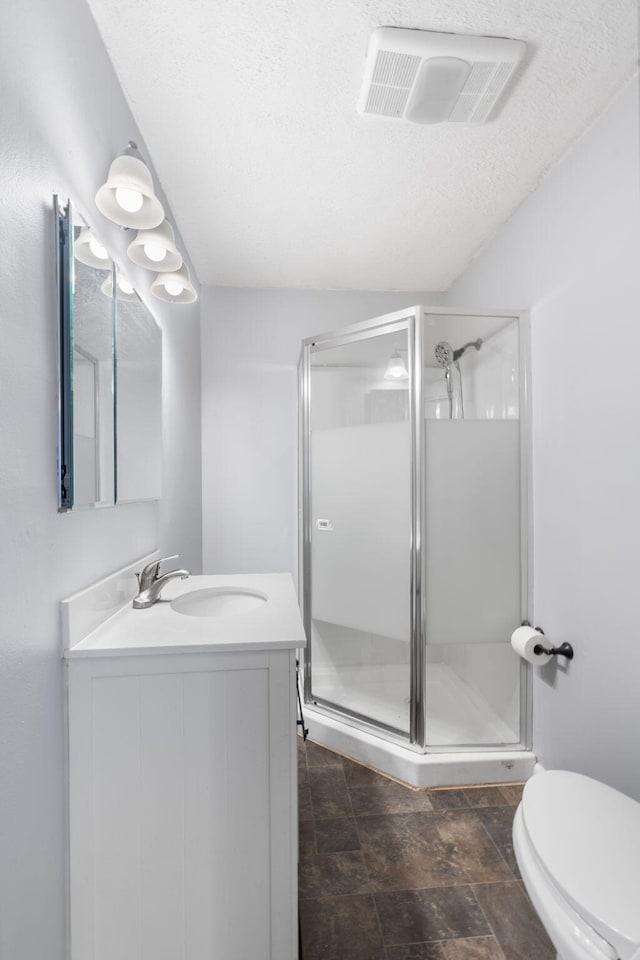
(324, 525)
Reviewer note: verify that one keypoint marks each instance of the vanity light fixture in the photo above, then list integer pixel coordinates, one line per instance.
(128, 198)
(174, 287)
(156, 249)
(124, 290)
(88, 250)
(396, 368)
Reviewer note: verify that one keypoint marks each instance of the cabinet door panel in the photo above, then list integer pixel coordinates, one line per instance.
(117, 814)
(172, 811)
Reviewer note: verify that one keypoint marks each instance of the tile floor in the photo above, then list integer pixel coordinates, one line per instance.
(390, 873)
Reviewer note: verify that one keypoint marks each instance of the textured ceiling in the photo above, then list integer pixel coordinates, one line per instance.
(249, 111)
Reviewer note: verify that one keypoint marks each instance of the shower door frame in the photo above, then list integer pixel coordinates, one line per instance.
(401, 321)
(412, 319)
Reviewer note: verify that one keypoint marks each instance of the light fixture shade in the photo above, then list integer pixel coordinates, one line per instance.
(107, 288)
(160, 237)
(84, 246)
(396, 368)
(131, 174)
(439, 84)
(165, 287)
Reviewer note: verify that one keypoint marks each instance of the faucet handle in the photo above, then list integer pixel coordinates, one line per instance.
(152, 571)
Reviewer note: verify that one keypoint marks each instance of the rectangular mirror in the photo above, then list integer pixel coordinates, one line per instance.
(110, 377)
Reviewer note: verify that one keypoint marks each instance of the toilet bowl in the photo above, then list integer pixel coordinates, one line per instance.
(577, 843)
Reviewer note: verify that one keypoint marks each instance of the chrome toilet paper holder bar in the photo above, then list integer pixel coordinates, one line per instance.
(564, 650)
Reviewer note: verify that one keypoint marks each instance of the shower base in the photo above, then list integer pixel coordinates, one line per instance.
(456, 715)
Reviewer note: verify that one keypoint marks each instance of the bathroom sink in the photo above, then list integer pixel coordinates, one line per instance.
(218, 602)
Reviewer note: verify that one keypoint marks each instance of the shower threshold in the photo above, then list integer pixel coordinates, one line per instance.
(457, 714)
(442, 768)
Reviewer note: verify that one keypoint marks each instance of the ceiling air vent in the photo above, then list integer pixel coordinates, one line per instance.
(423, 77)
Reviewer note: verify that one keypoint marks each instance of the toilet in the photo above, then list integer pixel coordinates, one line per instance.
(577, 843)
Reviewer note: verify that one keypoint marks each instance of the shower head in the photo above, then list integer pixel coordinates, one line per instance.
(444, 353)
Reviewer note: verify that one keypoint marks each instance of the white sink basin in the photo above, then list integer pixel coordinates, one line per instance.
(218, 602)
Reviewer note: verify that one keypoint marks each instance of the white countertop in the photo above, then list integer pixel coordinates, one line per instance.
(276, 624)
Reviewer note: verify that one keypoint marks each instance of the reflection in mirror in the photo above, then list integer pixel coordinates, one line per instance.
(139, 401)
(86, 428)
(93, 372)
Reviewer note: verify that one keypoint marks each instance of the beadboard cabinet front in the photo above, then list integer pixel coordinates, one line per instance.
(183, 807)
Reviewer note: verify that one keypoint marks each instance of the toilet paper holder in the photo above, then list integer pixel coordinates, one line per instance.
(564, 650)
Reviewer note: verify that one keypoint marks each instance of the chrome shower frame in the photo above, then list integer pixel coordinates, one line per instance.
(412, 320)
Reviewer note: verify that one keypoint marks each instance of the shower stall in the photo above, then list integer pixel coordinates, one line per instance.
(414, 521)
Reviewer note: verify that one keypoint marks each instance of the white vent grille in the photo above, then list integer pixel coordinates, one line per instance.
(387, 101)
(463, 109)
(478, 78)
(396, 67)
(391, 83)
(500, 77)
(481, 91)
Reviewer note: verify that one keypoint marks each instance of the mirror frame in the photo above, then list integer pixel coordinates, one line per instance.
(64, 274)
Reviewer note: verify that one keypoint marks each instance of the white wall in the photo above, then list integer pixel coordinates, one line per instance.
(63, 118)
(250, 350)
(571, 254)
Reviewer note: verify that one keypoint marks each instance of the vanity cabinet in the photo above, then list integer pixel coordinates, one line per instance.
(182, 793)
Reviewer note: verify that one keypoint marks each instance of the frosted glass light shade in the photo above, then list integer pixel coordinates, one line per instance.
(123, 292)
(88, 250)
(437, 90)
(396, 368)
(159, 240)
(174, 287)
(130, 176)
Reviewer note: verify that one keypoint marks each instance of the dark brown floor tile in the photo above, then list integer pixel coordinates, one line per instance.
(416, 951)
(332, 875)
(485, 796)
(387, 797)
(406, 851)
(318, 756)
(478, 948)
(302, 752)
(341, 928)
(305, 810)
(512, 792)
(335, 835)
(306, 839)
(498, 822)
(448, 799)
(358, 775)
(329, 794)
(474, 852)
(413, 916)
(514, 921)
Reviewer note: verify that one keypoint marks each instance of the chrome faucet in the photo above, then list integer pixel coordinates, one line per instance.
(150, 583)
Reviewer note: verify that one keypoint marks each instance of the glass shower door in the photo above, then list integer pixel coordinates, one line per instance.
(358, 463)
